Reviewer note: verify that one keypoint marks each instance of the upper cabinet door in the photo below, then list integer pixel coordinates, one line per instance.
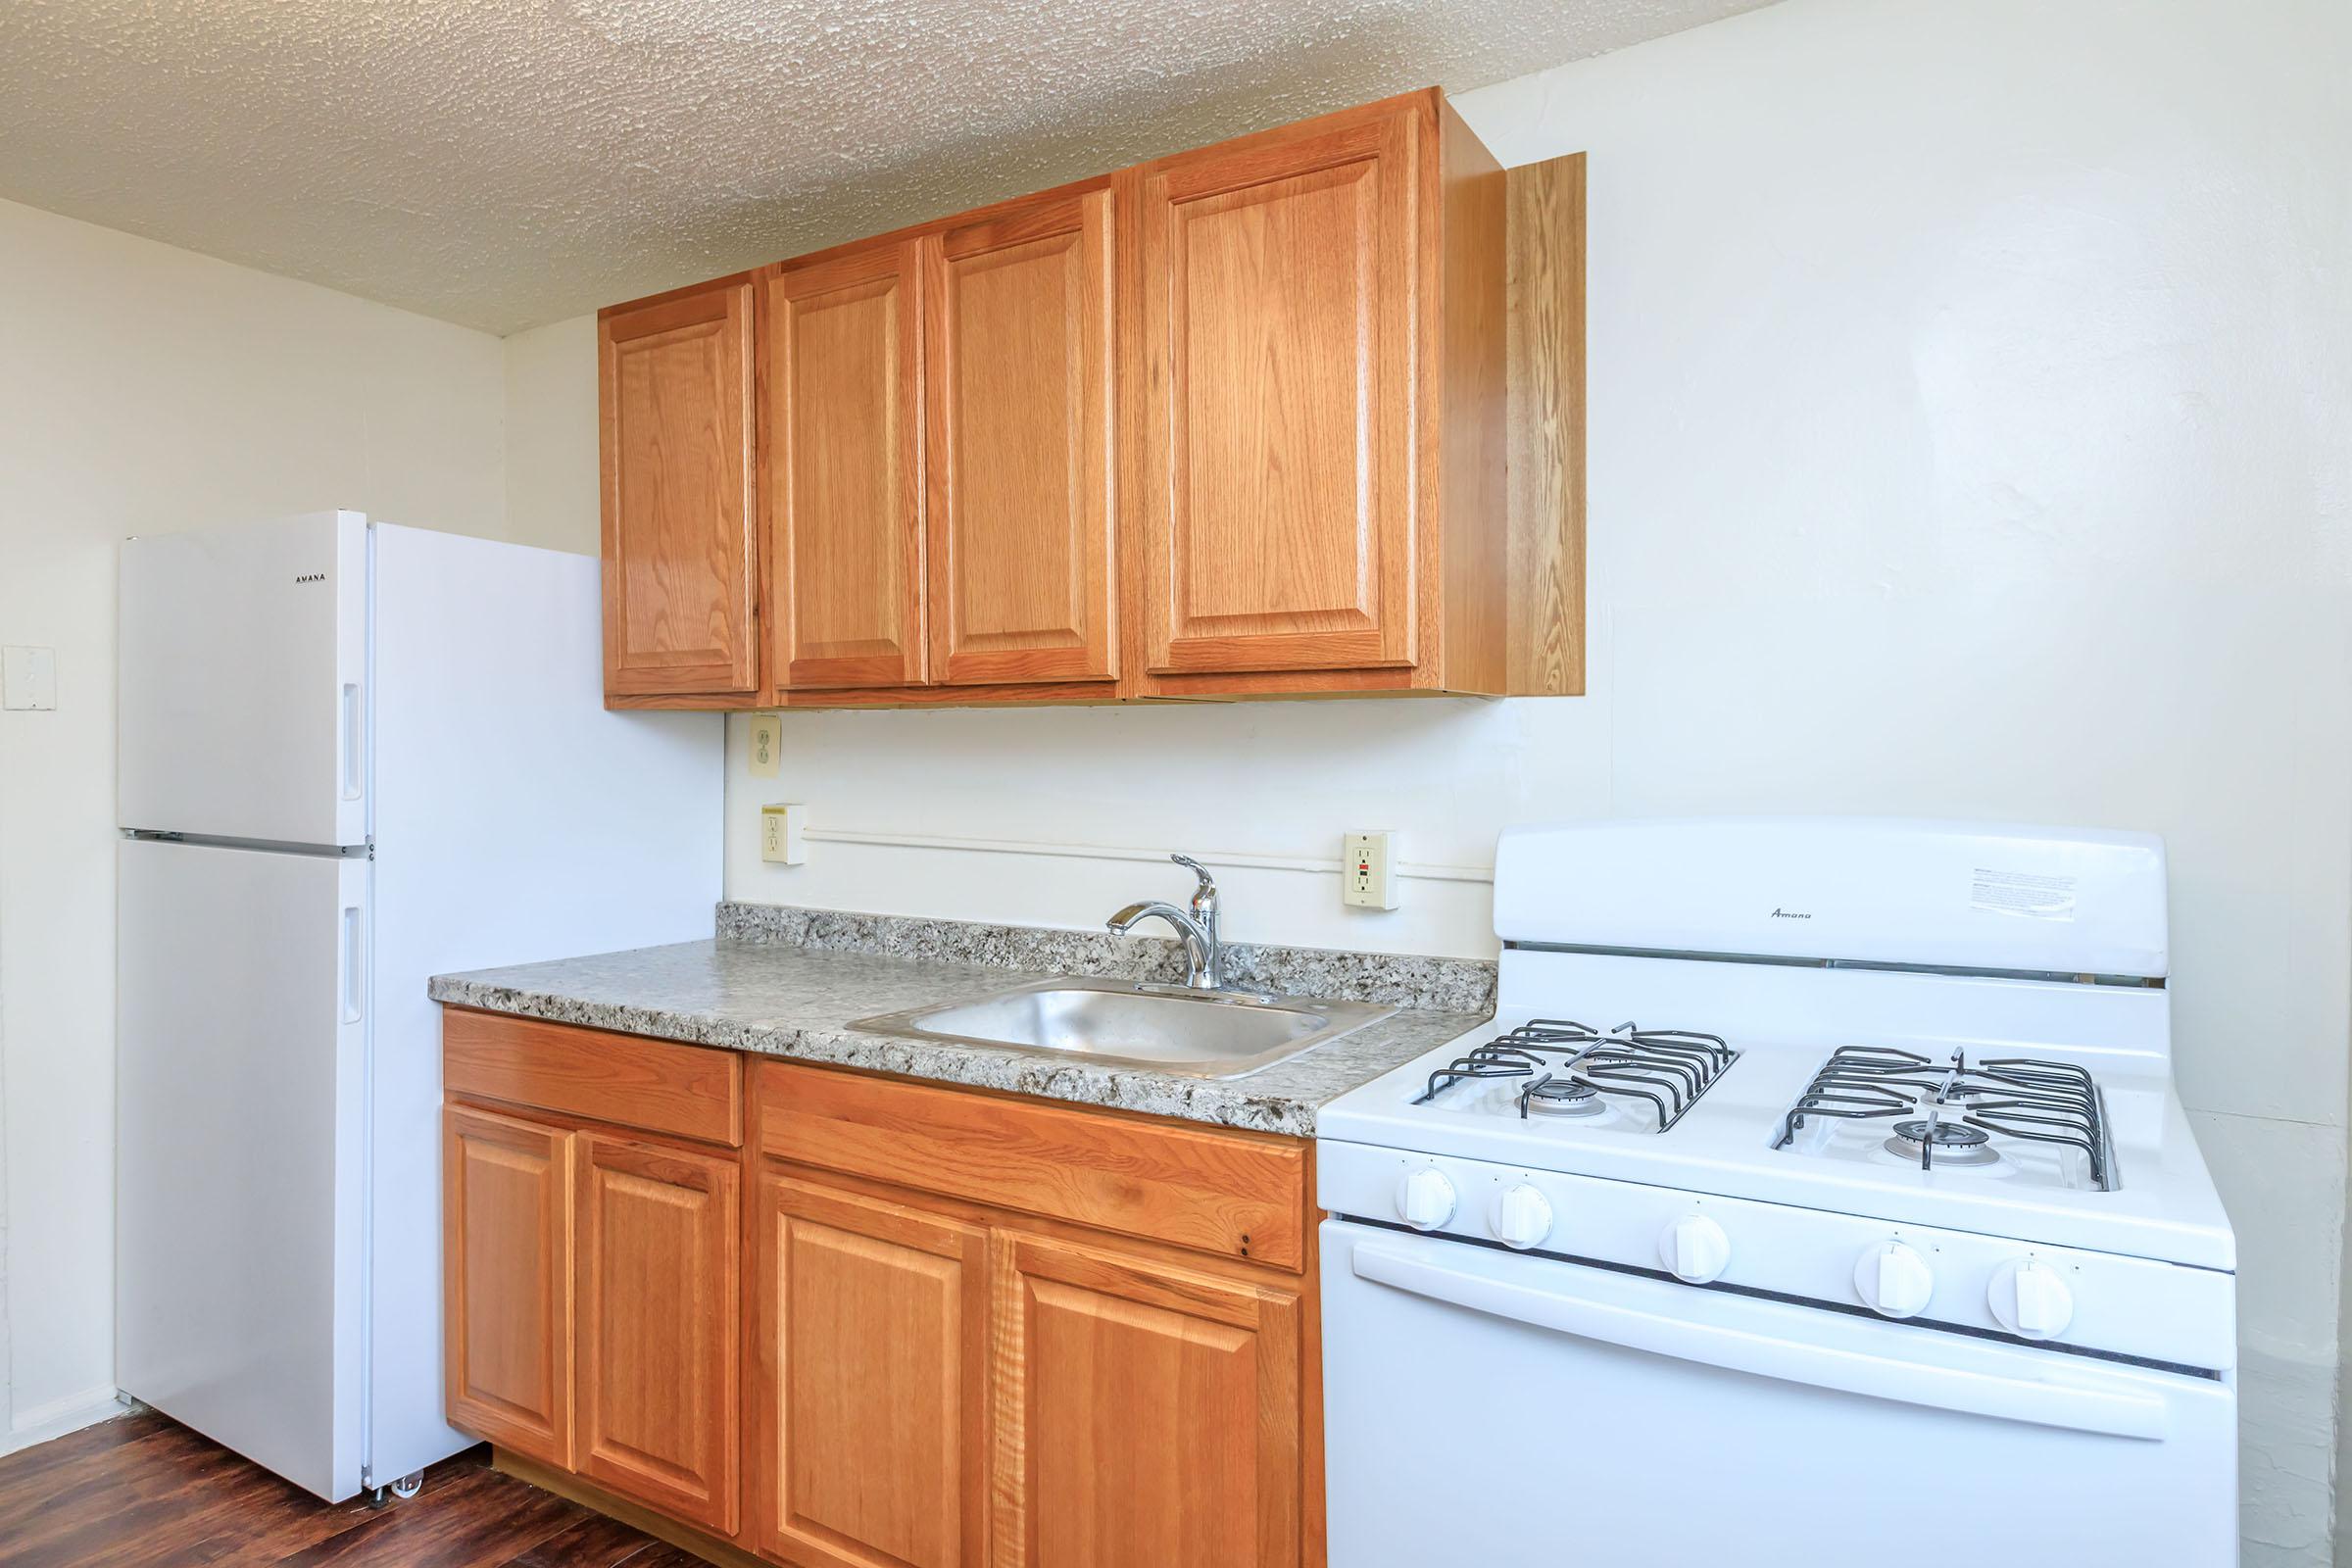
(842, 460)
(1275, 500)
(1017, 368)
(676, 382)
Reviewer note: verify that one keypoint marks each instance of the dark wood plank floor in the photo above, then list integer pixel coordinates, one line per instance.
(146, 1492)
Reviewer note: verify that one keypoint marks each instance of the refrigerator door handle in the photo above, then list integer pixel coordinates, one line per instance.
(351, 731)
(355, 964)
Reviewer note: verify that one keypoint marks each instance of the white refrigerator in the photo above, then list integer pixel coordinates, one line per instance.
(352, 756)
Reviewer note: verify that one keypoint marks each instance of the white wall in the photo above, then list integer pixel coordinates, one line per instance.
(551, 457)
(149, 389)
(1971, 435)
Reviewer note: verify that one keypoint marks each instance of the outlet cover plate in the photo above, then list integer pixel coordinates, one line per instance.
(766, 743)
(1368, 869)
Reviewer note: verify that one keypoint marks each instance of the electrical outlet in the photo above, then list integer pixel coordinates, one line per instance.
(780, 833)
(767, 742)
(1368, 870)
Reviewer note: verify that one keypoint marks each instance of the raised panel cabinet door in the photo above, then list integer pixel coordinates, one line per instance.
(507, 1278)
(680, 572)
(868, 1381)
(842, 454)
(1276, 508)
(1146, 1413)
(659, 1320)
(1017, 378)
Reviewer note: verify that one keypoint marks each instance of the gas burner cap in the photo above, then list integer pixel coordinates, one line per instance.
(1561, 1097)
(1954, 1142)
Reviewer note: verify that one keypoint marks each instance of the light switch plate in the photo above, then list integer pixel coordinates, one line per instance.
(768, 741)
(28, 678)
(780, 835)
(1368, 869)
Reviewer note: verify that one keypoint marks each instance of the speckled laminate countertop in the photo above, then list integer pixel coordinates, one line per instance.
(778, 997)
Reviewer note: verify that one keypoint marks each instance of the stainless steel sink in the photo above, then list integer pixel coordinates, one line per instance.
(1175, 1029)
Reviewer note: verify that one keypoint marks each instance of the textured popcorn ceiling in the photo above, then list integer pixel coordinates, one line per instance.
(503, 162)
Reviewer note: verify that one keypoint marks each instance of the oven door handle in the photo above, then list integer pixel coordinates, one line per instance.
(2083, 1403)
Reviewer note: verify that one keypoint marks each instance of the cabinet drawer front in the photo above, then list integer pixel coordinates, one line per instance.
(868, 1383)
(1278, 514)
(686, 1091)
(1241, 1195)
(507, 1276)
(679, 579)
(659, 1298)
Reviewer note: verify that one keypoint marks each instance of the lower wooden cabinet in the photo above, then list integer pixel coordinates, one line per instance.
(997, 1331)
(658, 1326)
(1150, 1413)
(900, 1327)
(505, 1194)
(869, 1381)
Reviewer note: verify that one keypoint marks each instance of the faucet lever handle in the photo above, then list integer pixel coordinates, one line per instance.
(1209, 884)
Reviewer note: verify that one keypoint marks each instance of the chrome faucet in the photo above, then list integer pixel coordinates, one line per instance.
(1205, 955)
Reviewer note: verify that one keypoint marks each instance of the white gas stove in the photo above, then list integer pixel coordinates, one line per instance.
(1847, 1143)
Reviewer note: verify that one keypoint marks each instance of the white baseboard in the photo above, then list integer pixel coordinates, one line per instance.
(61, 1416)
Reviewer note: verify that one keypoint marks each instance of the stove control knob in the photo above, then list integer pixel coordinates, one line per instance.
(2031, 1300)
(1522, 1216)
(1695, 1250)
(1893, 1280)
(1424, 1199)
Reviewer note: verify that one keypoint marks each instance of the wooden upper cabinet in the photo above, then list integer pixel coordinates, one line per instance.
(1151, 1413)
(1296, 414)
(1017, 377)
(868, 1392)
(841, 453)
(1277, 514)
(659, 1327)
(506, 1190)
(680, 577)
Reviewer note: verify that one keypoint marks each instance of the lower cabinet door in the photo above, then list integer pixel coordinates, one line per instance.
(658, 1326)
(868, 1381)
(506, 1190)
(1150, 1414)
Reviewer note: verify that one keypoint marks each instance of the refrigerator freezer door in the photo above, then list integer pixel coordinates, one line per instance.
(239, 1149)
(243, 682)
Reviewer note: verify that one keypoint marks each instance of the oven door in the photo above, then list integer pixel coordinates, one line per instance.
(1510, 1410)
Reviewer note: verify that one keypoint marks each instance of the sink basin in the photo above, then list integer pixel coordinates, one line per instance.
(1175, 1029)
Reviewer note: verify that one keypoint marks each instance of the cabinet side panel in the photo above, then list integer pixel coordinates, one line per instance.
(1467, 454)
(1547, 430)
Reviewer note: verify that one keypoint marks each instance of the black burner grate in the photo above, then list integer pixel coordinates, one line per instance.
(1931, 1101)
(1566, 1063)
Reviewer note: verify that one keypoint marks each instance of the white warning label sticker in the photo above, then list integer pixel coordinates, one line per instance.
(2032, 894)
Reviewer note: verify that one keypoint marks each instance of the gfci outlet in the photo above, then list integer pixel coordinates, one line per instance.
(1368, 870)
(780, 833)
